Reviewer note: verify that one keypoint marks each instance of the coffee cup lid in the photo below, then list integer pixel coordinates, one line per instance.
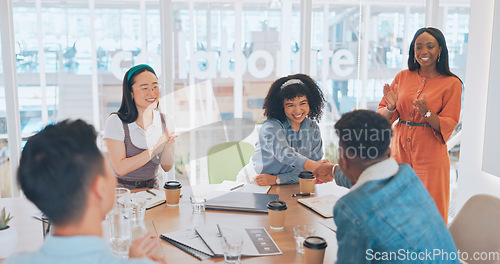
(315, 242)
(306, 175)
(172, 185)
(277, 206)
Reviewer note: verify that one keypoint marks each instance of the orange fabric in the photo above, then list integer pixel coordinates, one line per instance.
(423, 147)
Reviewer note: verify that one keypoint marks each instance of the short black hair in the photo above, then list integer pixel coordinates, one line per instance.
(273, 103)
(57, 167)
(364, 134)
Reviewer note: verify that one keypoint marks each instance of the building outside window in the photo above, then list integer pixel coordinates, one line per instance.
(226, 55)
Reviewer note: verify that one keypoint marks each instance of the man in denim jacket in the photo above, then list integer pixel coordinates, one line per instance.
(388, 216)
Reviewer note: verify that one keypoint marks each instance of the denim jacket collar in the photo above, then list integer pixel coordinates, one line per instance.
(306, 123)
(378, 171)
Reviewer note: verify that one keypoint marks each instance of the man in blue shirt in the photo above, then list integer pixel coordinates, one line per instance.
(65, 175)
(388, 216)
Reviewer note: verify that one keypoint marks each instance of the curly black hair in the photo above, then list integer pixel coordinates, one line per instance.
(364, 134)
(273, 103)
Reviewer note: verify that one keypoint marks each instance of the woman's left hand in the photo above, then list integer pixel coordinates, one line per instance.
(170, 139)
(265, 179)
(420, 105)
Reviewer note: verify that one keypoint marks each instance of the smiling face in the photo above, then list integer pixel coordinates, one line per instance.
(146, 91)
(427, 50)
(296, 110)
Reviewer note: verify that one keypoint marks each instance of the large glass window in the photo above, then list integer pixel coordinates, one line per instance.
(5, 190)
(226, 55)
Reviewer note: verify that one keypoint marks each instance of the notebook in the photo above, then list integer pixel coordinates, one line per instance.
(153, 197)
(241, 201)
(322, 205)
(190, 242)
(256, 241)
(205, 242)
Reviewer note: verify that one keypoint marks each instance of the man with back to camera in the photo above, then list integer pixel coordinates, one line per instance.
(388, 216)
(65, 175)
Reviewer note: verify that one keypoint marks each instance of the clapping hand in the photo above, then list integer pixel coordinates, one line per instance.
(420, 105)
(391, 96)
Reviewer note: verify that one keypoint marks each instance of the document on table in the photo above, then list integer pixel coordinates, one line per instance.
(327, 195)
(189, 241)
(153, 197)
(233, 186)
(322, 205)
(215, 190)
(256, 241)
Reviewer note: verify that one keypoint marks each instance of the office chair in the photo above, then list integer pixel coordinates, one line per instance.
(475, 227)
(225, 160)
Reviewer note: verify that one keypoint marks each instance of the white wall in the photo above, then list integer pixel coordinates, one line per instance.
(472, 179)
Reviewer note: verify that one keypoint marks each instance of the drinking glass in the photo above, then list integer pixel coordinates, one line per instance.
(300, 233)
(119, 223)
(198, 203)
(137, 208)
(232, 244)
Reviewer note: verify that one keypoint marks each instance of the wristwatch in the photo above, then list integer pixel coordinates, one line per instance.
(427, 114)
(278, 181)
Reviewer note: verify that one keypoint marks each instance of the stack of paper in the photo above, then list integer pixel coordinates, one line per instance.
(327, 195)
(153, 197)
(206, 242)
(214, 190)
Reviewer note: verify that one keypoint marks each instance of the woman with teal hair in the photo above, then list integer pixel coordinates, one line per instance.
(137, 136)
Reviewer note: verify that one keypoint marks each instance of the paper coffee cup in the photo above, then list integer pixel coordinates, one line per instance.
(277, 212)
(306, 182)
(172, 192)
(315, 249)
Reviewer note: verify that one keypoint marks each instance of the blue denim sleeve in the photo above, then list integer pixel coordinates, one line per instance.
(317, 151)
(353, 245)
(273, 140)
(291, 177)
(341, 179)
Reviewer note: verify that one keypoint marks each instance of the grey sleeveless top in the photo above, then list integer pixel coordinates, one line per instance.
(147, 171)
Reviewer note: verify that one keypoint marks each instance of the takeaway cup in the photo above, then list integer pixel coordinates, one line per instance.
(172, 192)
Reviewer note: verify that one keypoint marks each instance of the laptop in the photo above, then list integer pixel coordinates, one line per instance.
(242, 201)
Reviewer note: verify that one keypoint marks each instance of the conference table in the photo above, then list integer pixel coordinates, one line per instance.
(164, 219)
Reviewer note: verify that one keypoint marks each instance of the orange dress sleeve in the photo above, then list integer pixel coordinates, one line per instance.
(449, 114)
(383, 103)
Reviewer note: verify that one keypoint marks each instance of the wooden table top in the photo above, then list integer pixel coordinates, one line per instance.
(165, 219)
(169, 219)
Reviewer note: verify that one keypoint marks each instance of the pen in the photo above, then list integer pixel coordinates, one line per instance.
(148, 191)
(236, 187)
(302, 194)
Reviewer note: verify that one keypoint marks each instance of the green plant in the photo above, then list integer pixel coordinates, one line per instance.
(4, 219)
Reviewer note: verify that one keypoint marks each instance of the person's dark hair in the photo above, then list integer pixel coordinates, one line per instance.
(57, 167)
(128, 111)
(364, 134)
(273, 103)
(442, 65)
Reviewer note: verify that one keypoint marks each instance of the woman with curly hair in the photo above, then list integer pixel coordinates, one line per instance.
(289, 139)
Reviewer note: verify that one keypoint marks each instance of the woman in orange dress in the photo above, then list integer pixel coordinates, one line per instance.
(426, 99)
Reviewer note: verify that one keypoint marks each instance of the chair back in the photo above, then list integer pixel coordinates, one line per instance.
(225, 160)
(476, 228)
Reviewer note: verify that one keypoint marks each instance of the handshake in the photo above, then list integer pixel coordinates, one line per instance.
(324, 171)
